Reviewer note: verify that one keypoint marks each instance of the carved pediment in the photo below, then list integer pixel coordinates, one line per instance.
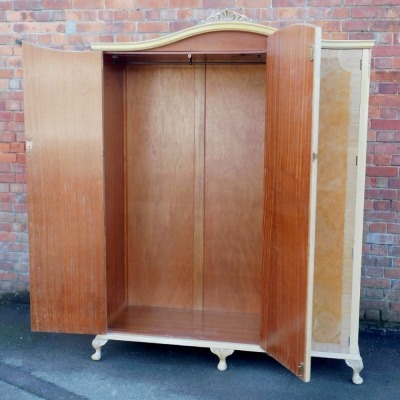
(226, 16)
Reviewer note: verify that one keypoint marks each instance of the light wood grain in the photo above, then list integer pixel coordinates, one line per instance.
(63, 109)
(288, 157)
(339, 119)
(160, 188)
(234, 166)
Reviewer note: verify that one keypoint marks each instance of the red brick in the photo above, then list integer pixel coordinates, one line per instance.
(358, 25)
(383, 63)
(27, 4)
(8, 158)
(57, 4)
(382, 159)
(395, 206)
(8, 236)
(396, 159)
(106, 15)
(388, 88)
(376, 282)
(385, 124)
(7, 178)
(380, 194)
(92, 4)
(385, 136)
(379, 227)
(6, 5)
(386, 51)
(322, 3)
(385, 76)
(127, 4)
(8, 276)
(394, 183)
(6, 116)
(340, 12)
(380, 216)
(381, 205)
(382, 171)
(187, 4)
(164, 4)
(387, 148)
(152, 26)
(365, 12)
(384, 26)
(388, 113)
(392, 273)
(21, 158)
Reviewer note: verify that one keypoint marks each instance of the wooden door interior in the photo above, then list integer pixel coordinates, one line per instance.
(290, 192)
(63, 110)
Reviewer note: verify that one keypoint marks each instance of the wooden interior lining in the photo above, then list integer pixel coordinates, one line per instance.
(188, 324)
(160, 170)
(234, 166)
(199, 158)
(114, 187)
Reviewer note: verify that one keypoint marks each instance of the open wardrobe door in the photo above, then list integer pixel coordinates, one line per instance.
(292, 90)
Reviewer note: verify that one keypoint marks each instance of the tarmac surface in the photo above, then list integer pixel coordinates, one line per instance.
(58, 366)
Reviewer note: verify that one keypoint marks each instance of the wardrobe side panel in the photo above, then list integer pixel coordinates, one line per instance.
(336, 198)
(160, 185)
(63, 117)
(234, 170)
(114, 129)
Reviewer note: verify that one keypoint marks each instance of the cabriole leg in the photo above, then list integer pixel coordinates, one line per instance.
(222, 354)
(357, 366)
(97, 344)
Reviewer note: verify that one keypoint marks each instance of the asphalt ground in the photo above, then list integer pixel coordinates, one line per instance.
(58, 366)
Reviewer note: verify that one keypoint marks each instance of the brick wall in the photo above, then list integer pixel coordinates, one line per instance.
(73, 24)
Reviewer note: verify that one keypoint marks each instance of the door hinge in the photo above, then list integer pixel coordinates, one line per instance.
(311, 53)
(28, 146)
(300, 370)
(356, 161)
(361, 65)
(314, 156)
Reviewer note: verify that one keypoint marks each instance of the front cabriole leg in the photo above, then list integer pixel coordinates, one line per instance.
(357, 366)
(222, 354)
(97, 344)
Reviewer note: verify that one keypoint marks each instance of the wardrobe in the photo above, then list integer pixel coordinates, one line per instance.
(201, 189)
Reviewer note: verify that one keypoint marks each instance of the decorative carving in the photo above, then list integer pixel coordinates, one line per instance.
(222, 354)
(226, 16)
(357, 366)
(97, 344)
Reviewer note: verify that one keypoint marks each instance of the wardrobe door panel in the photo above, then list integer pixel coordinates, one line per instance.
(291, 127)
(63, 117)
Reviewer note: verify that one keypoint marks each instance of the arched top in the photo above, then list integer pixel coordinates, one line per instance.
(219, 26)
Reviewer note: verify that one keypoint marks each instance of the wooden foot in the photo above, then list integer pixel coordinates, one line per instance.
(97, 344)
(222, 354)
(357, 366)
